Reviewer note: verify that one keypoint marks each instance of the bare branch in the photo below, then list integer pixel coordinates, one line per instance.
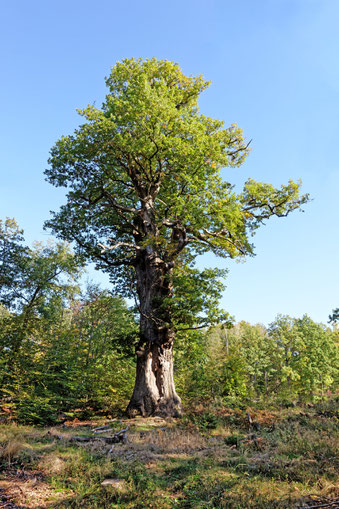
(191, 328)
(241, 149)
(170, 224)
(119, 244)
(100, 256)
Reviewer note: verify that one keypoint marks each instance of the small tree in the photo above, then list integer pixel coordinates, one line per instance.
(146, 197)
(12, 255)
(318, 365)
(285, 353)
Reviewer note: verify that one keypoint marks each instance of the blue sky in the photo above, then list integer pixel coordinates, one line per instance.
(274, 69)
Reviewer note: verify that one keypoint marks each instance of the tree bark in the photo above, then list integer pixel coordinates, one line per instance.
(154, 392)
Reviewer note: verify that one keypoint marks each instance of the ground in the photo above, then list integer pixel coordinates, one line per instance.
(213, 457)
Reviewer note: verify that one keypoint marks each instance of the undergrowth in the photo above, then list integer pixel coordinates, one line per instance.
(214, 457)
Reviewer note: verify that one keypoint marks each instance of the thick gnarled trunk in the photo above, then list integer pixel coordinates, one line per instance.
(154, 391)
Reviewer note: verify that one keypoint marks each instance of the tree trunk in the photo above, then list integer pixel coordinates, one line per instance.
(154, 391)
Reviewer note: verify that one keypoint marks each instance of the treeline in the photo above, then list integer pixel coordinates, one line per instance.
(68, 352)
(291, 360)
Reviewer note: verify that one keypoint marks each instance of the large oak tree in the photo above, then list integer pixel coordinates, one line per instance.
(146, 196)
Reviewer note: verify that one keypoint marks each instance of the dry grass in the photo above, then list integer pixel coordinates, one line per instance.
(152, 447)
(30, 493)
(9, 451)
(173, 440)
(177, 465)
(52, 464)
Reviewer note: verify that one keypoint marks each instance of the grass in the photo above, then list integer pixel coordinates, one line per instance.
(211, 458)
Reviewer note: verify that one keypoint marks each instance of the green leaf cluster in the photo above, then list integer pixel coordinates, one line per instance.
(149, 148)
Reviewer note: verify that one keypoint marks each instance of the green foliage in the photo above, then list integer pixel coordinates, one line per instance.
(335, 316)
(232, 381)
(293, 359)
(189, 363)
(61, 350)
(79, 359)
(305, 354)
(196, 296)
(34, 409)
(146, 196)
(12, 256)
(144, 172)
(205, 421)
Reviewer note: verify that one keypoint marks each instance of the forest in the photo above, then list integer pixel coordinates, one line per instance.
(205, 411)
(68, 350)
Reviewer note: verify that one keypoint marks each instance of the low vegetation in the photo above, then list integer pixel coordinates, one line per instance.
(214, 457)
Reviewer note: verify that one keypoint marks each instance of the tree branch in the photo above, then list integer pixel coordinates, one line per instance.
(220, 235)
(241, 149)
(191, 328)
(119, 244)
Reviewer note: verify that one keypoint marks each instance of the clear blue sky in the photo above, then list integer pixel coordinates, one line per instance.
(274, 68)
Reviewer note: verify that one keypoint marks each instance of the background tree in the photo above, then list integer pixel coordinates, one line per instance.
(334, 317)
(305, 356)
(59, 349)
(76, 358)
(37, 283)
(285, 350)
(12, 253)
(249, 342)
(104, 334)
(319, 366)
(293, 359)
(146, 197)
